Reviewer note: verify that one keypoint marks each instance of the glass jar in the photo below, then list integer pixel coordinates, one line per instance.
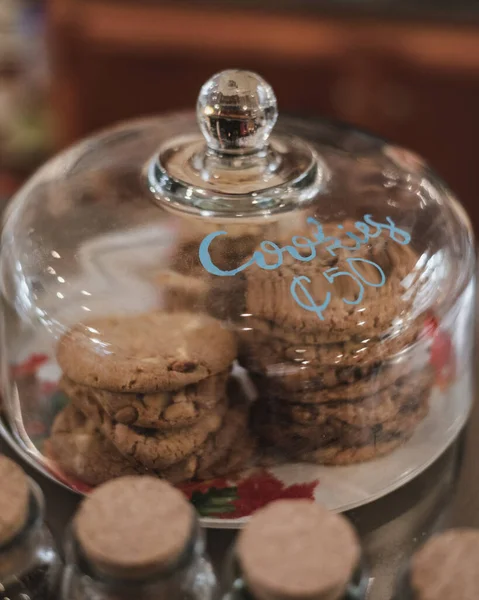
(444, 567)
(296, 549)
(136, 537)
(29, 564)
(242, 305)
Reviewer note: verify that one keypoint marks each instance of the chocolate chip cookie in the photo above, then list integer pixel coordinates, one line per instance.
(183, 293)
(232, 446)
(225, 451)
(226, 251)
(91, 447)
(360, 412)
(152, 448)
(335, 454)
(158, 410)
(145, 353)
(334, 431)
(261, 353)
(386, 377)
(83, 452)
(359, 297)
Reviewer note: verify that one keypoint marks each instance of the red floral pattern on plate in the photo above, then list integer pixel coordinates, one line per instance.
(443, 358)
(30, 366)
(224, 499)
(258, 490)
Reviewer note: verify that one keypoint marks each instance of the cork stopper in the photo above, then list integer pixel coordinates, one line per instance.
(297, 549)
(14, 499)
(134, 526)
(445, 568)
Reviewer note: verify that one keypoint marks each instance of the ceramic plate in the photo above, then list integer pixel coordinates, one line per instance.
(227, 503)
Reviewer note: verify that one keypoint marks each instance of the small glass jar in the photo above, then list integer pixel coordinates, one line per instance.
(445, 567)
(29, 564)
(295, 549)
(163, 561)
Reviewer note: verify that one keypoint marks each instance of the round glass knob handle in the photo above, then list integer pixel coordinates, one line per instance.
(236, 112)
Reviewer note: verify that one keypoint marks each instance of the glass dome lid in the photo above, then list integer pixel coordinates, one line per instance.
(317, 260)
(338, 230)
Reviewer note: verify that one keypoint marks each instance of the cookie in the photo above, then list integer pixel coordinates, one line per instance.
(152, 448)
(226, 251)
(310, 385)
(180, 472)
(362, 413)
(86, 454)
(403, 423)
(265, 354)
(146, 353)
(307, 381)
(373, 408)
(225, 299)
(180, 292)
(229, 448)
(300, 383)
(159, 410)
(335, 454)
(293, 439)
(235, 460)
(297, 438)
(83, 452)
(265, 328)
(220, 297)
(231, 445)
(352, 307)
(224, 452)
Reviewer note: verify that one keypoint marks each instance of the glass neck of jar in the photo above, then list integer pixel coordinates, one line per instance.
(190, 575)
(403, 589)
(237, 587)
(19, 554)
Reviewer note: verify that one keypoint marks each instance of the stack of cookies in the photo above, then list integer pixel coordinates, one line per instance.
(345, 383)
(150, 393)
(187, 285)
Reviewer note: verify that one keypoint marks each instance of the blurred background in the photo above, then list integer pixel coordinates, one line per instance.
(405, 69)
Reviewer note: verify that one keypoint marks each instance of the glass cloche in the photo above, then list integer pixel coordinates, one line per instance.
(230, 299)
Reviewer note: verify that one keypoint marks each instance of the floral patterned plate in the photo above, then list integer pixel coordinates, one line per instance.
(226, 502)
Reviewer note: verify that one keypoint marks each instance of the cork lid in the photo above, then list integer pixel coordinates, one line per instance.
(14, 499)
(297, 549)
(133, 526)
(445, 568)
